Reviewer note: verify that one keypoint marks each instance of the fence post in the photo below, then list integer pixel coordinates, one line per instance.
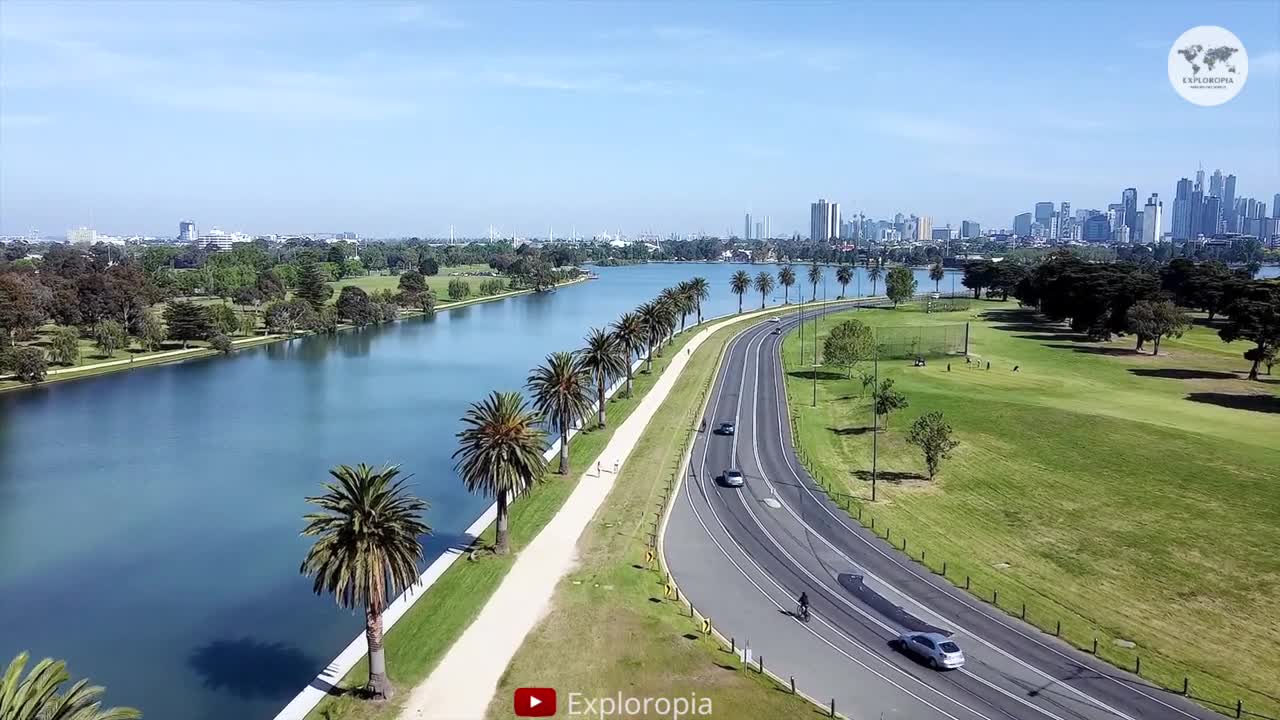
(793, 684)
(1186, 685)
(733, 645)
(833, 708)
(1024, 611)
(1239, 707)
(966, 582)
(761, 663)
(904, 545)
(995, 598)
(944, 568)
(1058, 632)
(1095, 646)
(1137, 665)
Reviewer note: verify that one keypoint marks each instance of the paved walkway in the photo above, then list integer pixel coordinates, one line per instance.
(463, 683)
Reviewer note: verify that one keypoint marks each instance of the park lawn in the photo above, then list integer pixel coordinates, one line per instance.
(437, 283)
(417, 642)
(1130, 497)
(609, 629)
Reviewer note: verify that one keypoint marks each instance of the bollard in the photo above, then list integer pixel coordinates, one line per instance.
(793, 684)
(690, 609)
(1186, 685)
(1095, 646)
(966, 582)
(833, 708)
(886, 534)
(733, 645)
(995, 598)
(1024, 611)
(873, 523)
(1239, 707)
(859, 512)
(944, 568)
(1058, 631)
(904, 545)
(761, 662)
(922, 555)
(1137, 665)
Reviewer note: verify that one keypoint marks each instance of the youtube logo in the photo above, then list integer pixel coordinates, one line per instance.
(535, 702)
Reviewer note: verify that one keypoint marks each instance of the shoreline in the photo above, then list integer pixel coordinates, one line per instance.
(166, 357)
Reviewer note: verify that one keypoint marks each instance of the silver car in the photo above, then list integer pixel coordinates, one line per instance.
(934, 648)
(733, 479)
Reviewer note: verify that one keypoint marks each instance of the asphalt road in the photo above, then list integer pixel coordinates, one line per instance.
(744, 555)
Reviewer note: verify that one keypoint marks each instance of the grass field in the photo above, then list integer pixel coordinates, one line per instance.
(609, 629)
(1133, 498)
(437, 283)
(429, 628)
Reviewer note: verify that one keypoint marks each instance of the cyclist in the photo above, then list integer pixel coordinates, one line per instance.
(804, 605)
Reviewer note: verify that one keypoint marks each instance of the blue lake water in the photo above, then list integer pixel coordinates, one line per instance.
(149, 519)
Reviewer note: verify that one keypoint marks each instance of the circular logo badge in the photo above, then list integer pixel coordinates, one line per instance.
(1208, 65)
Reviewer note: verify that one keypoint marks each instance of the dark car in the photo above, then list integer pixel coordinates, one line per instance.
(726, 428)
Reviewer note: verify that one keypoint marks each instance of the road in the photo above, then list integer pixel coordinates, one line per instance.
(742, 557)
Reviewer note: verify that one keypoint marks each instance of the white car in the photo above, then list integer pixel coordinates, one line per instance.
(775, 319)
(733, 479)
(934, 648)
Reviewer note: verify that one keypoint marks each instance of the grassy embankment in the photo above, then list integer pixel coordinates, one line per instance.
(1133, 498)
(416, 644)
(609, 628)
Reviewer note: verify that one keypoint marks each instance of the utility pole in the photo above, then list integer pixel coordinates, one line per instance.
(875, 421)
(800, 318)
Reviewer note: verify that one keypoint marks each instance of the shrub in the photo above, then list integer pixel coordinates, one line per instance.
(221, 343)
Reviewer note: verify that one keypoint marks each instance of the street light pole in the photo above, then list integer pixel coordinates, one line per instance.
(875, 422)
(800, 320)
(815, 384)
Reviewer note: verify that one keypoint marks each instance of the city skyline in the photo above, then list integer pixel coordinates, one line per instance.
(405, 120)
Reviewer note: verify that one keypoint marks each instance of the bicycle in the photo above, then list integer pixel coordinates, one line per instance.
(802, 613)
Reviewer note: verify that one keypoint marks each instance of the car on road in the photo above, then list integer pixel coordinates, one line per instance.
(935, 296)
(733, 478)
(775, 319)
(936, 649)
(726, 428)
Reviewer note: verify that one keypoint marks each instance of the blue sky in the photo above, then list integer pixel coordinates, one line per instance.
(402, 119)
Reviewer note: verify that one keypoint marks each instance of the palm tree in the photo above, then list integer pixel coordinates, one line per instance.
(367, 549)
(740, 284)
(787, 277)
(844, 276)
(604, 357)
(815, 277)
(700, 290)
(37, 696)
(651, 316)
(561, 391)
(681, 299)
(500, 453)
(631, 334)
(671, 301)
(875, 271)
(936, 273)
(764, 283)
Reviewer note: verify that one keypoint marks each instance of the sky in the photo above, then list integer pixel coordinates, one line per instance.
(394, 120)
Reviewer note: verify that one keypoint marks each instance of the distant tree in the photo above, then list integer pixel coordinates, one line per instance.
(848, 344)
(246, 296)
(936, 273)
(764, 284)
(1254, 315)
(844, 276)
(459, 289)
(560, 390)
(931, 433)
(887, 400)
(28, 364)
(64, 348)
(312, 286)
(109, 336)
(412, 281)
(500, 453)
(221, 343)
(41, 695)
(815, 277)
(352, 267)
(740, 284)
(151, 332)
(633, 338)
(786, 278)
(606, 359)
(1152, 320)
(22, 305)
(875, 271)
(978, 274)
(325, 321)
(354, 306)
(290, 316)
(428, 266)
(223, 319)
(187, 321)
(249, 324)
(900, 284)
(367, 549)
(336, 254)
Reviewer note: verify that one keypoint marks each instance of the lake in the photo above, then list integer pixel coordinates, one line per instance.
(149, 519)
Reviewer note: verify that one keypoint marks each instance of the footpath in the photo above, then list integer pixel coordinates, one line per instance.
(467, 676)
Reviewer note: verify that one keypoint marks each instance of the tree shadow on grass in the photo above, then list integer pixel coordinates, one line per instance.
(250, 668)
(1097, 350)
(1183, 374)
(1073, 337)
(890, 476)
(1254, 403)
(850, 430)
(822, 375)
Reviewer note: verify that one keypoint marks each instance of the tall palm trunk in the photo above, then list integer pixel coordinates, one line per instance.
(649, 358)
(628, 373)
(761, 299)
(683, 314)
(699, 306)
(739, 303)
(502, 544)
(600, 388)
(379, 686)
(564, 445)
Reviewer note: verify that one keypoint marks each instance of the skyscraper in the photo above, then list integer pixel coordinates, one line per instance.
(824, 221)
(1129, 198)
(1044, 213)
(1230, 224)
(1275, 206)
(1215, 183)
(187, 231)
(924, 228)
(1152, 220)
(1197, 212)
(1096, 228)
(1200, 181)
(1064, 222)
(1182, 211)
(1022, 224)
(746, 231)
(1210, 214)
(970, 229)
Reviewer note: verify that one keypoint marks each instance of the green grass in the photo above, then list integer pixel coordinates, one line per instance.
(437, 283)
(1088, 485)
(605, 632)
(417, 642)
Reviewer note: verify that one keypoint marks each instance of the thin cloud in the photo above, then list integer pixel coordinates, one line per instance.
(930, 130)
(1267, 63)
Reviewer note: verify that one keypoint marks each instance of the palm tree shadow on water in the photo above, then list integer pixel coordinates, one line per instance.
(252, 669)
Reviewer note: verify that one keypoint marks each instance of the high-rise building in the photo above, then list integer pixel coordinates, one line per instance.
(1275, 206)
(1152, 220)
(1209, 215)
(1182, 210)
(1044, 212)
(924, 228)
(1229, 214)
(1199, 181)
(1215, 183)
(187, 231)
(1064, 222)
(1115, 215)
(759, 230)
(1096, 228)
(1197, 212)
(1022, 224)
(970, 229)
(1129, 198)
(824, 221)
(768, 229)
(746, 230)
